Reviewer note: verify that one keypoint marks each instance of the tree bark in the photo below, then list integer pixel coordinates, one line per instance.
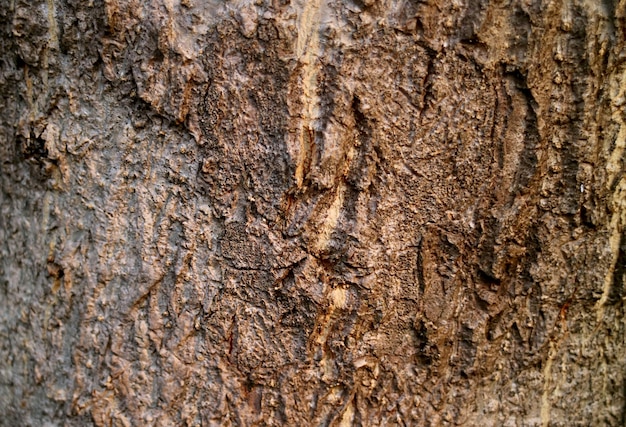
(312, 212)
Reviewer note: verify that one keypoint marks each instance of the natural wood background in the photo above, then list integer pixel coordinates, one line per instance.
(312, 212)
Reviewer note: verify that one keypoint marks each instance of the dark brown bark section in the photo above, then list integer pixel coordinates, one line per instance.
(315, 213)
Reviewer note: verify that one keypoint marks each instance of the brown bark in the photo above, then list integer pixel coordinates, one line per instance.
(313, 212)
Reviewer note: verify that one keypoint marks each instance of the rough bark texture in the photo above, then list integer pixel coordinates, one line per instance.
(312, 212)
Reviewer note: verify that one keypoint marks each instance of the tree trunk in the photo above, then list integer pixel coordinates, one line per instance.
(316, 212)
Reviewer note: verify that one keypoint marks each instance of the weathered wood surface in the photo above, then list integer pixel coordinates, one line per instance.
(312, 212)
